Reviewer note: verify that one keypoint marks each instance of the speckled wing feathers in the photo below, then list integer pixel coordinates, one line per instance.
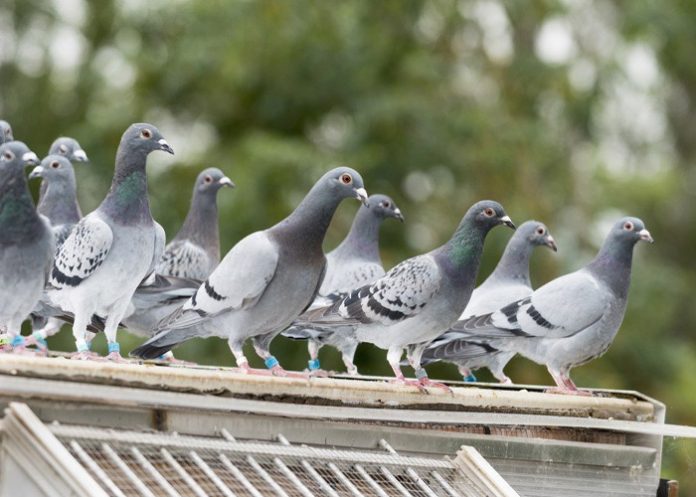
(83, 251)
(183, 259)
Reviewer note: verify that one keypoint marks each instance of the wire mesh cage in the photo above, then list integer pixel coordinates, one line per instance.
(147, 464)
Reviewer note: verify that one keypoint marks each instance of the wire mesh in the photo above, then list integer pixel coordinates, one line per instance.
(170, 466)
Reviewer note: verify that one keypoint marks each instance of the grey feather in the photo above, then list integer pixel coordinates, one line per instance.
(420, 298)
(112, 249)
(195, 250)
(573, 319)
(26, 241)
(5, 132)
(509, 282)
(266, 280)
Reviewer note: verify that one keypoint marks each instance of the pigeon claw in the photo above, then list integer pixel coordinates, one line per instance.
(116, 357)
(568, 391)
(427, 382)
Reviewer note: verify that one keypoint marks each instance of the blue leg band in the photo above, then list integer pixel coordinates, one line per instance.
(271, 362)
(17, 341)
(471, 378)
(40, 339)
(314, 364)
(114, 347)
(421, 373)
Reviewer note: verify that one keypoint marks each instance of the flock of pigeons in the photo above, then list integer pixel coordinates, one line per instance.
(111, 269)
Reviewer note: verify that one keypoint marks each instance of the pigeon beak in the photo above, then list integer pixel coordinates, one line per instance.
(30, 159)
(551, 243)
(79, 156)
(165, 146)
(507, 222)
(361, 194)
(645, 236)
(398, 215)
(36, 172)
(225, 181)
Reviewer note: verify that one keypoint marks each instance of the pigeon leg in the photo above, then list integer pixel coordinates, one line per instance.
(394, 358)
(17, 341)
(38, 337)
(564, 384)
(416, 353)
(314, 366)
(467, 374)
(261, 345)
(169, 358)
(110, 330)
(347, 354)
(79, 332)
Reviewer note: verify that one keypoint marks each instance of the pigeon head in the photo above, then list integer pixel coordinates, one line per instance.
(384, 207)
(344, 182)
(54, 169)
(628, 231)
(5, 132)
(15, 156)
(211, 180)
(68, 147)
(537, 234)
(488, 214)
(144, 138)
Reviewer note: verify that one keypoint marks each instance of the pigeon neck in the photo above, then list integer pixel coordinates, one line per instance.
(363, 237)
(308, 223)
(19, 222)
(58, 202)
(514, 264)
(127, 198)
(612, 265)
(463, 253)
(201, 224)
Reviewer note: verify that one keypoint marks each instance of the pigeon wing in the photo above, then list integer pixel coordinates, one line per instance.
(82, 252)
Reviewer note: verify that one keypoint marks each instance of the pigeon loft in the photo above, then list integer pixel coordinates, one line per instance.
(100, 429)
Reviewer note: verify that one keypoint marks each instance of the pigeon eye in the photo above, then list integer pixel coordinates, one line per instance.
(346, 179)
(207, 179)
(63, 149)
(55, 164)
(8, 155)
(146, 133)
(489, 212)
(628, 226)
(540, 231)
(385, 204)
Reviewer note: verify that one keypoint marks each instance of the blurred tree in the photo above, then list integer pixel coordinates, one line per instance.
(570, 112)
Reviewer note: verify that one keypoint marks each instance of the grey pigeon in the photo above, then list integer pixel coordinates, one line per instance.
(58, 203)
(265, 281)
(26, 243)
(354, 263)
(420, 298)
(570, 320)
(195, 250)
(112, 249)
(5, 132)
(71, 150)
(508, 283)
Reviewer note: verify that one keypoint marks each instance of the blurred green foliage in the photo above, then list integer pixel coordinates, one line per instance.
(571, 113)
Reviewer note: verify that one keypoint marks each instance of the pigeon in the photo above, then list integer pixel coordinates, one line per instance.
(26, 243)
(112, 249)
(5, 132)
(570, 320)
(58, 203)
(354, 263)
(508, 283)
(264, 282)
(195, 250)
(70, 149)
(420, 298)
